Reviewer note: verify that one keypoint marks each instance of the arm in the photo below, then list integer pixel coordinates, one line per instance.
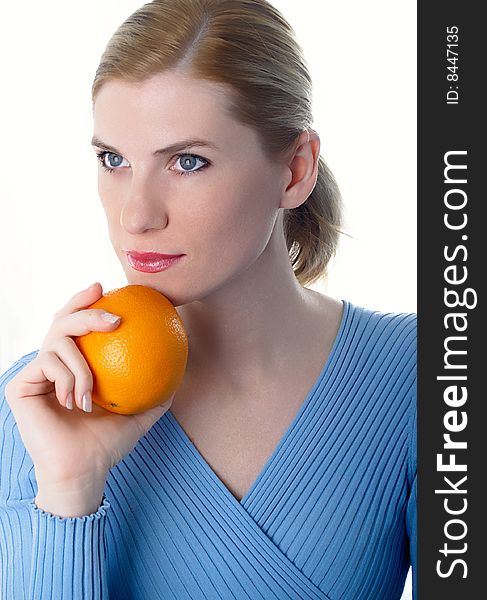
(412, 532)
(45, 555)
(411, 509)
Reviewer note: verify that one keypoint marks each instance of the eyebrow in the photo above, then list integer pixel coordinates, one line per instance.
(176, 147)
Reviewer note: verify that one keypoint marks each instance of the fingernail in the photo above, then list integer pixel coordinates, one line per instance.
(87, 402)
(69, 401)
(109, 317)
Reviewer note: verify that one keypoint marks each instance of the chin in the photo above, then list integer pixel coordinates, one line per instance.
(181, 288)
(176, 297)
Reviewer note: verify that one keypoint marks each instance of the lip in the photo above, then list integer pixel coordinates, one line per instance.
(151, 262)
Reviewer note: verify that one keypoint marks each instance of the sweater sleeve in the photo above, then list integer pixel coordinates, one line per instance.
(411, 509)
(43, 555)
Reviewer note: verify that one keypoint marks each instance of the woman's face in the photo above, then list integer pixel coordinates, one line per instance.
(218, 208)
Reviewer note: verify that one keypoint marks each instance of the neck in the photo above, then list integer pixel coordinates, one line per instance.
(245, 331)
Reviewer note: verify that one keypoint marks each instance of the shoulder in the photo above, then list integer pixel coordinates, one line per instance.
(385, 354)
(406, 321)
(379, 364)
(380, 331)
(381, 352)
(373, 339)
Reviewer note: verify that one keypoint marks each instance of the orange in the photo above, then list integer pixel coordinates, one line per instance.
(141, 362)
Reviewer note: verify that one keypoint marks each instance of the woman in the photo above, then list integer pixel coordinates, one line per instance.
(284, 466)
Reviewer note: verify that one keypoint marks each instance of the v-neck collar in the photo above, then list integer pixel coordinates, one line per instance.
(299, 415)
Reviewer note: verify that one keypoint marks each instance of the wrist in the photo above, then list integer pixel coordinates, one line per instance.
(74, 497)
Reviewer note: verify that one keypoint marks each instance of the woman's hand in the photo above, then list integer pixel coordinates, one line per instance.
(68, 445)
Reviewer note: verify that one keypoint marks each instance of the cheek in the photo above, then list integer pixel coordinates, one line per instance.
(105, 189)
(234, 223)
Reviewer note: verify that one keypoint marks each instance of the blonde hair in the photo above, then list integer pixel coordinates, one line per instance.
(249, 46)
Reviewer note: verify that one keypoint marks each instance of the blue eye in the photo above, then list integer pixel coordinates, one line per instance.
(114, 160)
(188, 163)
(118, 159)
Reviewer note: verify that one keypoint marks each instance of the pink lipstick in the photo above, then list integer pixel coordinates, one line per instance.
(151, 262)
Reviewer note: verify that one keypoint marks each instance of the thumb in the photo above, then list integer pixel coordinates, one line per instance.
(149, 417)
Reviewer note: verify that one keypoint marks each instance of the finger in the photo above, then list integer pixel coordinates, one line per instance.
(79, 323)
(57, 372)
(81, 300)
(145, 420)
(45, 367)
(69, 353)
(59, 340)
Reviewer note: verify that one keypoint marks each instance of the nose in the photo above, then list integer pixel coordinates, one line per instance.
(143, 207)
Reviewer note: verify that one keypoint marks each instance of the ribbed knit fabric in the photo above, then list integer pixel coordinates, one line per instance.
(332, 515)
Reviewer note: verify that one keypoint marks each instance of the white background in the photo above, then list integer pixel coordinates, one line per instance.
(53, 234)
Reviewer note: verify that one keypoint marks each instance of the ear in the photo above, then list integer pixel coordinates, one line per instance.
(301, 170)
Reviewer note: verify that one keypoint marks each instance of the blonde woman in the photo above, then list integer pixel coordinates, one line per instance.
(285, 465)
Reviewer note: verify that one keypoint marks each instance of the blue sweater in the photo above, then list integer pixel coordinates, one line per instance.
(332, 515)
